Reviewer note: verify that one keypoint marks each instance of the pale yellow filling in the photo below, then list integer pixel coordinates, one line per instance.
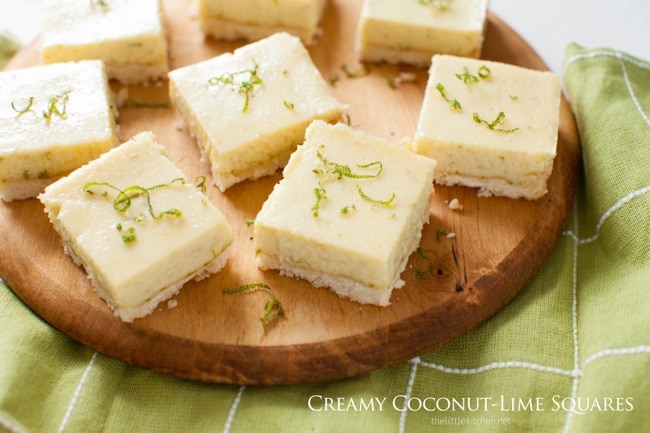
(468, 142)
(361, 229)
(168, 248)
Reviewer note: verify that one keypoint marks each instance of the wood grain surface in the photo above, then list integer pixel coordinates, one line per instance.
(499, 243)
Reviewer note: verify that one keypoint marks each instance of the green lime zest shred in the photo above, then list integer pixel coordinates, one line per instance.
(375, 201)
(124, 199)
(245, 86)
(495, 124)
(272, 308)
(423, 273)
(28, 106)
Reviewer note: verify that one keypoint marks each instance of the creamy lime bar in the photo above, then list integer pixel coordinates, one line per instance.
(411, 31)
(347, 213)
(128, 36)
(138, 227)
(248, 110)
(490, 125)
(53, 119)
(253, 20)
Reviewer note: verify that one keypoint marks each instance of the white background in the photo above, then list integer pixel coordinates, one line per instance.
(547, 25)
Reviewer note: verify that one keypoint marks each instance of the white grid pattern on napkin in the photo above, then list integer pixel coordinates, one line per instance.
(578, 369)
(576, 373)
(77, 391)
(622, 59)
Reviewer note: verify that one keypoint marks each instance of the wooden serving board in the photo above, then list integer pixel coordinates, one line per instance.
(498, 246)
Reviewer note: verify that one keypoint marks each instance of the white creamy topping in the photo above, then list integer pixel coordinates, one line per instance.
(364, 224)
(53, 119)
(250, 109)
(489, 120)
(167, 248)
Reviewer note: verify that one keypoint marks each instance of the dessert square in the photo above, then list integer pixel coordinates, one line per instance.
(347, 213)
(137, 226)
(248, 110)
(253, 20)
(53, 119)
(412, 31)
(490, 125)
(129, 36)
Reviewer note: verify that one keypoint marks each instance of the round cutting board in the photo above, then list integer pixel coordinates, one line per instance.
(455, 283)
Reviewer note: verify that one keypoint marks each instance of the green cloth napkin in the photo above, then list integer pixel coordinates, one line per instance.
(571, 353)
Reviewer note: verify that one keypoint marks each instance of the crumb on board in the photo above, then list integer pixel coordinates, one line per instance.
(454, 204)
(404, 77)
(121, 97)
(172, 303)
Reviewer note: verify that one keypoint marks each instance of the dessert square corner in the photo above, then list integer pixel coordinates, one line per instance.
(53, 119)
(129, 37)
(253, 20)
(412, 31)
(490, 125)
(138, 228)
(249, 109)
(347, 213)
